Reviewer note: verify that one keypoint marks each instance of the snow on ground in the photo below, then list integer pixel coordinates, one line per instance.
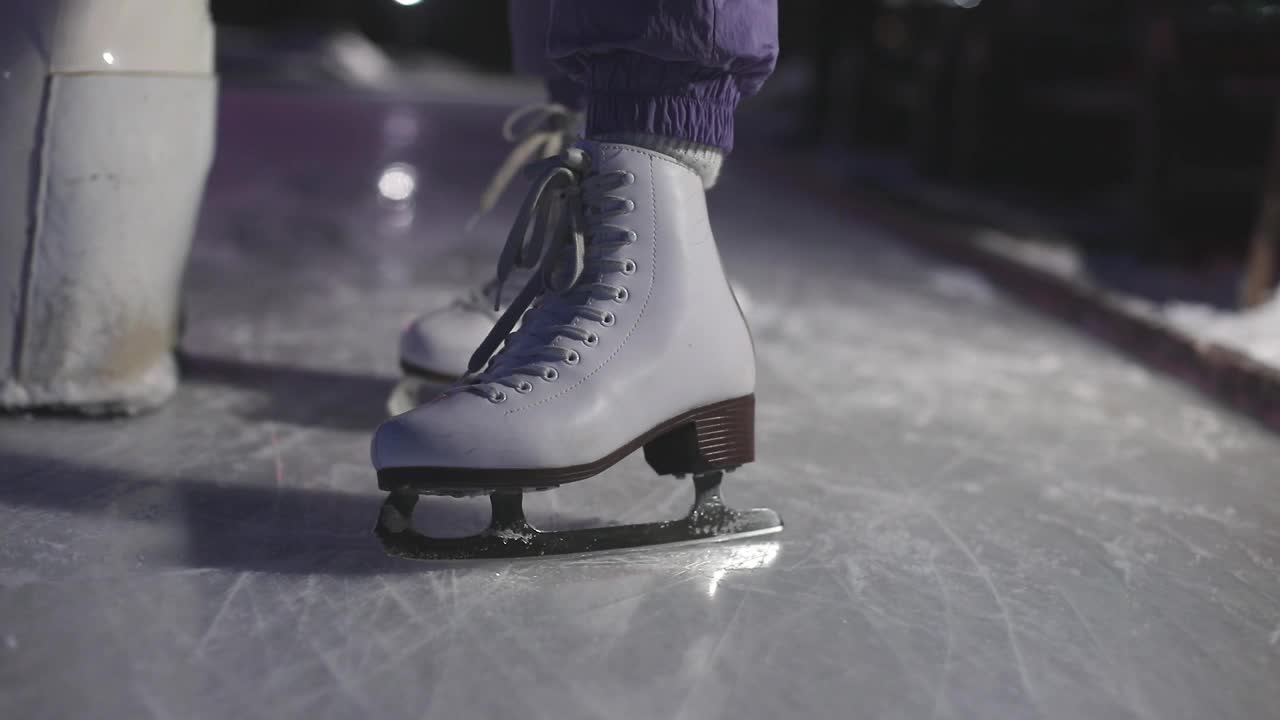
(1057, 259)
(1255, 332)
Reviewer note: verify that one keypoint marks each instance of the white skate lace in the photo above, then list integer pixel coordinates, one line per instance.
(561, 230)
(538, 131)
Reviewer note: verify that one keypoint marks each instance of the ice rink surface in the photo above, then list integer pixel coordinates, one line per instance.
(988, 516)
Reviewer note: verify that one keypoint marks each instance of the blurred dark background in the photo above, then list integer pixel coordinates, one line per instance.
(1140, 128)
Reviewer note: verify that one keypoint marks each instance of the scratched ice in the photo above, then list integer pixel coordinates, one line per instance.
(987, 516)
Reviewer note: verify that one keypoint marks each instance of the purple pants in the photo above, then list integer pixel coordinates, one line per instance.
(675, 68)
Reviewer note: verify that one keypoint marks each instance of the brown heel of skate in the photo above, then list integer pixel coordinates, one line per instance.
(717, 437)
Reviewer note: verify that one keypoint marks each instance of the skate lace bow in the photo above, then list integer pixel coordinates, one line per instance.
(561, 233)
(538, 131)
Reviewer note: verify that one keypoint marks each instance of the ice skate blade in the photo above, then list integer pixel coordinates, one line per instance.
(534, 543)
(510, 536)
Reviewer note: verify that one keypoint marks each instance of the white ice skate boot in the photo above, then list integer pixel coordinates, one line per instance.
(437, 346)
(632, 339)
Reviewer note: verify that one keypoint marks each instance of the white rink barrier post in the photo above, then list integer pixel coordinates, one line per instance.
(107, 113)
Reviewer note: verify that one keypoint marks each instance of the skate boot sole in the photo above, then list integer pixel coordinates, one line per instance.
(426, 375)
(713, 437)
(416, 387)
(411, 392)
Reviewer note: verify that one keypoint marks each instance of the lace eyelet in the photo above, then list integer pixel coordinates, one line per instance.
(498, 397)
(572, 358)
(591, 340)
(629, 178)
(608, 319)
(631, 236)
(550, 374)
(622, 295)
(631, 205)
(524, 387)
(629, 267)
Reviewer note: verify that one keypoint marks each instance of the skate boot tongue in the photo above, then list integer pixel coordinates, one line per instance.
(562, 231)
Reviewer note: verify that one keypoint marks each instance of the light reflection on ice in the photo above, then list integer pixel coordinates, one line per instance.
(751, 556)
(398, 182)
